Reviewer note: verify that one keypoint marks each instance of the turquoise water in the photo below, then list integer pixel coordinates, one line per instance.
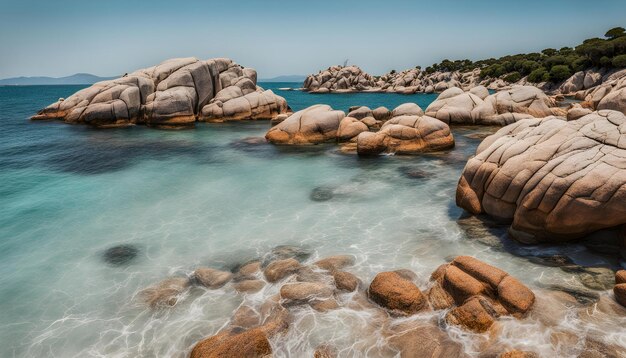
(205, 197)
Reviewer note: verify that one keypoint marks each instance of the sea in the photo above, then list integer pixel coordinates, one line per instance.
(216, 196)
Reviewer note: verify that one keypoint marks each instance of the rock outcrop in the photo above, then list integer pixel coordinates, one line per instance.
(175, 93)
(313, 125)
(454, 106)
(338, 79)
(519, 102)
(556, 180)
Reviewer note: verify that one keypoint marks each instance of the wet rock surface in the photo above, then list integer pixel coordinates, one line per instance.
(466, 293)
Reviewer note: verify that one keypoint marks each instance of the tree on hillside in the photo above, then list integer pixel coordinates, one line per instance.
(615, 33)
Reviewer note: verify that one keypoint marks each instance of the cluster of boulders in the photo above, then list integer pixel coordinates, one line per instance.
(555, 180)
(175, 93)
(477, 106)
(474, 294)
(338, 79)
(405, 130)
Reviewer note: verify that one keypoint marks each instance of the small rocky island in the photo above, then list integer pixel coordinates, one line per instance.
(174, 94)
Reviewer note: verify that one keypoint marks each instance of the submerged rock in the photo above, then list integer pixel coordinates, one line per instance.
(165, 293)
(418, 340)
(283, 252)
(277, 270)
(303, 292)
(413, 172)
(211, 278)
(336, 262)
(238, 342)
(321, 193)
(175, 93)
(556, 180)
(120, 255)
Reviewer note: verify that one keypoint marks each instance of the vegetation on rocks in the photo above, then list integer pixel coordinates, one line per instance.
(551, 65)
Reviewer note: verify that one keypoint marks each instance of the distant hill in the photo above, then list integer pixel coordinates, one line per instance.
(76, 79)
(288, 78)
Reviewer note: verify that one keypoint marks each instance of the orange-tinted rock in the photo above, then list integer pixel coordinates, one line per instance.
(335, 262)
(390, 290)
(439, 272)
(620, 277)
(346, 281)
(461, 285)
(473, 315)
(325, 351)
(245, 317)
(305, 291)
(424, 341)
(249, 286)
(211, 278)
(518, 354)
(165, 293)
(620, 293)
(252, 343)
(480, 270)
(439, 298)
(280, 269)
(514, 296)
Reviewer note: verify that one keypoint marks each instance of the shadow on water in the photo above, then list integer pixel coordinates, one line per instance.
(94, 151)
(495, 234)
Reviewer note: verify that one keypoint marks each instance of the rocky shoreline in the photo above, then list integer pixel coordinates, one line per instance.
(414, 315)
(352, 79)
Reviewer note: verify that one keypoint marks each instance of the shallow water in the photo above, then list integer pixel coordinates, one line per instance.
(205, 197)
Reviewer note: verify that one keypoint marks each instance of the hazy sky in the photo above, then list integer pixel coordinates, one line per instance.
(58, 38)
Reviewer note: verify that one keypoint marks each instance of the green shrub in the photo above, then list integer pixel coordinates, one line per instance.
(619, 61)
(529, 66)
(536, 75)
(605, 61)
(560, 73)
(513, 77)
(615, 32)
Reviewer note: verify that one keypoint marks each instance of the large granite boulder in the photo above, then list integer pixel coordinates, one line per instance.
(454, 106)
(556, 180)
(406, 134)
(175, 93)
(313, 125)
(519, 102)
(574, 83)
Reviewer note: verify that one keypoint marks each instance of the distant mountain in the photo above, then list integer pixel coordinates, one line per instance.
(76, 79)
(288, 78)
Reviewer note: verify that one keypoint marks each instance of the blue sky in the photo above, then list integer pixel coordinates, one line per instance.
(58, 38)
